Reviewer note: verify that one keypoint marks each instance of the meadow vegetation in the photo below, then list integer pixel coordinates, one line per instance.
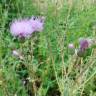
(46, 66)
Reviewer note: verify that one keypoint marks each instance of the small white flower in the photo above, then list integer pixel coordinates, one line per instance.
(17, 54)
(71, 46)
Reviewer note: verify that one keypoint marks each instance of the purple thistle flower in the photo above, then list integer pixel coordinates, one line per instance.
(37, 24)
(25, 27)
(21, 28)
(84, 44)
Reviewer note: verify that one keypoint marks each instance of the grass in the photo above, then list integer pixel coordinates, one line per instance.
(48, 69)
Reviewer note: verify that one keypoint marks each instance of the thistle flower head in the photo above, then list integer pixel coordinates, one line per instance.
(21, 28)
(25, 27)
(84, 44)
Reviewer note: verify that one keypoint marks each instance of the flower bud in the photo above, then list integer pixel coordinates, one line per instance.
(71, 48)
